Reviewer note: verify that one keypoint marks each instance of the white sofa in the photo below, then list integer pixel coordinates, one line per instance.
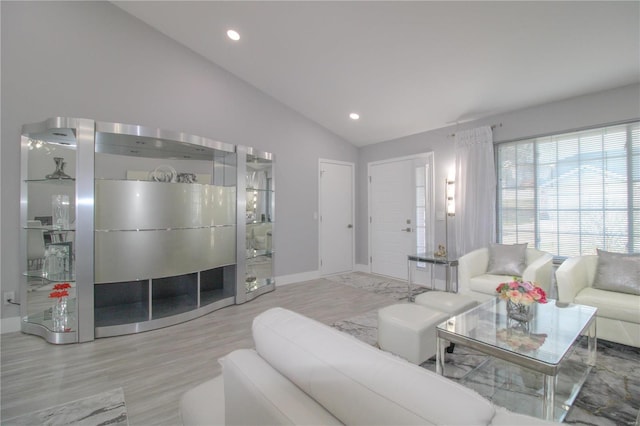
(474, 281)
(303, 372)
(618, 316)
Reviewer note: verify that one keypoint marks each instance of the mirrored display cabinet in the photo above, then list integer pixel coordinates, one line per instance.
(128, 229)
(258, 252)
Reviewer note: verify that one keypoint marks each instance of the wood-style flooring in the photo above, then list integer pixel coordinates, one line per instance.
(155, 368)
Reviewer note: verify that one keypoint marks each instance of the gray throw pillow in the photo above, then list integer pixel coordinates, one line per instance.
(618, 272)
(507, 259)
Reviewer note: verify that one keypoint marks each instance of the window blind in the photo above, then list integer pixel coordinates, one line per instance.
(571, 193)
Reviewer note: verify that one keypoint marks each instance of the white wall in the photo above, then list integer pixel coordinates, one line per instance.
(92, 60)
(619, 104)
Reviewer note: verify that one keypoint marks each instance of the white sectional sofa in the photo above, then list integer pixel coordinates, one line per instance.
(303, 372)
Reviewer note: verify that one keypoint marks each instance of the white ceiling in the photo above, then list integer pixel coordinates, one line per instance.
(409, 67)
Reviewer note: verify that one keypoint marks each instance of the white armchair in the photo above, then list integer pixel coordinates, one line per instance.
(259, 236)
(618, 316)
(474, 280)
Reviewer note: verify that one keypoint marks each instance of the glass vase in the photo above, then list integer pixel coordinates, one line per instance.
(60, 207)
(60, 314)
(519, 312)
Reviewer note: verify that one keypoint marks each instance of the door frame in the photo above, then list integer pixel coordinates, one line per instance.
(429, 158)
(322, 161)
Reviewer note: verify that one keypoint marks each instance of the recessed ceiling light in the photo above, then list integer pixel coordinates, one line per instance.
(354, 116)
(233, 35)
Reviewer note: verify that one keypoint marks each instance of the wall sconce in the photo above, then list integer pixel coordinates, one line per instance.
(450, 194)
(450, 207)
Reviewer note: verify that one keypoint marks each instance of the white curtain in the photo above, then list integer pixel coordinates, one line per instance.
(475, 189)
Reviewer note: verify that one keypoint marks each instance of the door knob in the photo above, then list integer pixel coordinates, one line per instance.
(406, 229)
(349, 226)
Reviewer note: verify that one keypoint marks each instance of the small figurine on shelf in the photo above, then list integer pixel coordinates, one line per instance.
(442, 251)
(59, 172)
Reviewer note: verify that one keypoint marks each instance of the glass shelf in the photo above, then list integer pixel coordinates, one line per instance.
(257, 284)
(61, 277)
(52, 181)
(250, 189)
(251, 254)
(50, 228)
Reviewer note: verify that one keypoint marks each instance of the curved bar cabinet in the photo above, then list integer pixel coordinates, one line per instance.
(149, 227)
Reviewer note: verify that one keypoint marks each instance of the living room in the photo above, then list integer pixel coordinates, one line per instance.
(92, 59)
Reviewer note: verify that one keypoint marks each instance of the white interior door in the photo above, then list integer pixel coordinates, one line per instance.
(399, 213)
(336, 217)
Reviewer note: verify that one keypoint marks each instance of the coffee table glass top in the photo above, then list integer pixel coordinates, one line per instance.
(545, 339)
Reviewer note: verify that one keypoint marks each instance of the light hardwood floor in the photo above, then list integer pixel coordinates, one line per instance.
(155, 368)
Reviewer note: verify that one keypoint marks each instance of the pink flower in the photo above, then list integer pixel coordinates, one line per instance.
(527, 299)
(528, 286)
(539, 295)
(514, 295)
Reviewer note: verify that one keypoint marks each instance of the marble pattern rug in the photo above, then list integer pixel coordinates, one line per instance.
(107, 408)
(384, 286)
(609, 397)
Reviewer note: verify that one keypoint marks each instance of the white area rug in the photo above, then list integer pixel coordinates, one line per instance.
(107, 408)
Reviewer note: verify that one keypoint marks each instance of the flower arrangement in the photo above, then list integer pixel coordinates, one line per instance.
(521, 292)
(60, 290)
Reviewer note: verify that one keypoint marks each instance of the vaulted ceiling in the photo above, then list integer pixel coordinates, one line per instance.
(409, 67)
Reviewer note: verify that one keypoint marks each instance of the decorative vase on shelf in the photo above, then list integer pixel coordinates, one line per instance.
(59, 173)
(60, 211)
(60, 314)
(519, 312)
(60, 309)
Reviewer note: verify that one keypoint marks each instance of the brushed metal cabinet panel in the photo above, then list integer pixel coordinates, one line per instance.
(136, 255)
(131, 205)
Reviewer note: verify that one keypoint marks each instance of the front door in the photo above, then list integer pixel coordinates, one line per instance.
(399, 218)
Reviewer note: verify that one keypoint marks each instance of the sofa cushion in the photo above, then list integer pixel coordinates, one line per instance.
(487, 284)
(619, 306)
(256, 394)
(375, 387)
(618, 272)
(507, 259)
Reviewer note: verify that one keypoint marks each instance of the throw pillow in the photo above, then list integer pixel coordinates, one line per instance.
(618, 272)
(507, 259)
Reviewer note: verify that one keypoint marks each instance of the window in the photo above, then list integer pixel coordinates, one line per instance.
(571, 193)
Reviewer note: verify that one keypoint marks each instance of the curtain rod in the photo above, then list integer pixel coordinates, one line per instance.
(493, 127)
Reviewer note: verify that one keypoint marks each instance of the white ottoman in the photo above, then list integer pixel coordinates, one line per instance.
(409, 330)
(451, 303)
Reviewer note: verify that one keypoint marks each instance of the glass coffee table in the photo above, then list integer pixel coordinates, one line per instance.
(530, 368)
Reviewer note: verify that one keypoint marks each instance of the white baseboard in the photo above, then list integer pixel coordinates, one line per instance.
(10, 325)
(297, 278)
